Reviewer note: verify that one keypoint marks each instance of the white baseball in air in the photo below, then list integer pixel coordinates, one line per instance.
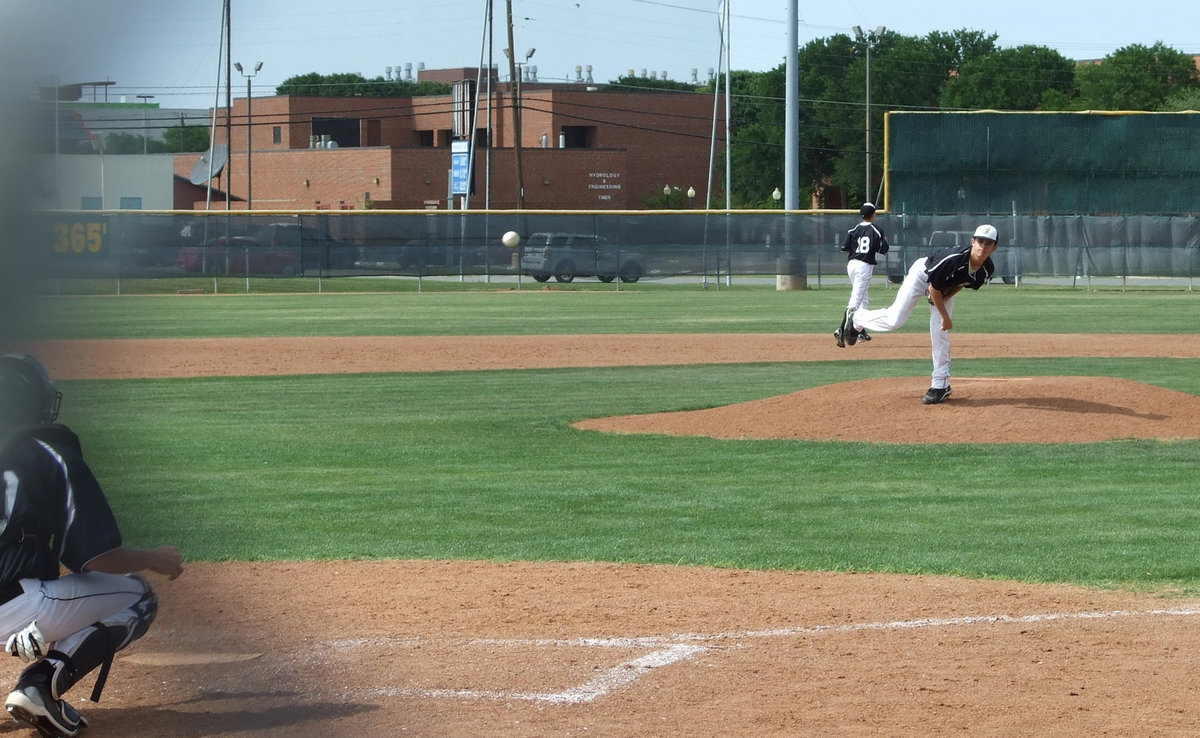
(512, 239)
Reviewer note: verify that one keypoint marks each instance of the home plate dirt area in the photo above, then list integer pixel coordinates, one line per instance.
(460, 648)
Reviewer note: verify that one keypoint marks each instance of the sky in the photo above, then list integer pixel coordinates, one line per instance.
(170, 48)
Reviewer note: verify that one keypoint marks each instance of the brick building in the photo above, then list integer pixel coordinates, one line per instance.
(581, 148)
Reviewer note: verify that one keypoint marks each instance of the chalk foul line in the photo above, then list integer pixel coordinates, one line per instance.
(672, 649)
(604, 683)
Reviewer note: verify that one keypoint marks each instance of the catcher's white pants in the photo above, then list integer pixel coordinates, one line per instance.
(860, 273)
(65, 606)
(892, 317)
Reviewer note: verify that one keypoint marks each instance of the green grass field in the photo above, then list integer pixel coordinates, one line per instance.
(484, 465)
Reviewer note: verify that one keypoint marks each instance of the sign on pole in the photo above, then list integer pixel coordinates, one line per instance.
(460, 152)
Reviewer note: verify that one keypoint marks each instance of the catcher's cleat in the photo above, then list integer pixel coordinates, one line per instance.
(33, 704)
(841, 342)
(936, 395)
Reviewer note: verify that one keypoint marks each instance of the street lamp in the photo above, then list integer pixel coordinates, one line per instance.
(691, 193)
(867, 39)
(249, 76)
(145, 126)
(776, 195)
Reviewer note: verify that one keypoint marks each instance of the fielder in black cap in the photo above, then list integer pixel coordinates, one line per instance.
(861, 244)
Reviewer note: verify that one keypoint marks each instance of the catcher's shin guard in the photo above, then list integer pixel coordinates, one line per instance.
(79, 653)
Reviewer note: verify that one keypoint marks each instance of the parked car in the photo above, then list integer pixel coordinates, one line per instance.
(566, 256)
(289, 249)
(414, 254)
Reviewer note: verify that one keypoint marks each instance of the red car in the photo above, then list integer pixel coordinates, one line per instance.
(288, 249)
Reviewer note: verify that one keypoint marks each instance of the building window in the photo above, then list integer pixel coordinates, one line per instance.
(277, 135)
(91, 203)
(343, 131)
(131, 203)
(424, 138)
(579, 137)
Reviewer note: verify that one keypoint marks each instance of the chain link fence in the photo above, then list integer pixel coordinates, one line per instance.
(621, 247)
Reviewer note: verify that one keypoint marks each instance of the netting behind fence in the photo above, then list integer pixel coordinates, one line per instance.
(1052, 163)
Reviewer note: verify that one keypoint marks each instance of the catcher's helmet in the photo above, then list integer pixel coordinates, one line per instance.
(26, 393)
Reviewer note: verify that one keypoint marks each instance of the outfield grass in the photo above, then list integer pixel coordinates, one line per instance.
(661, 310)
(484, 465)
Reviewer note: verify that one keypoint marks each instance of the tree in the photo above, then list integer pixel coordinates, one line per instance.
(355, 85)
(649, 84)
(1187, 98)
(1012, 79)
(907, 72)
(180, 139)
(755, 137)
(1135, 77)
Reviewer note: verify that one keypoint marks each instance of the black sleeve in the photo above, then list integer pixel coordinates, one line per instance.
(93, 529)
(86, 524)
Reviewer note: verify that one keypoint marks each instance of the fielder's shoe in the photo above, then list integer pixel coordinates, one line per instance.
(862, 336)
(849, 333)
(841, 342)
(34, 705)
(936, 395)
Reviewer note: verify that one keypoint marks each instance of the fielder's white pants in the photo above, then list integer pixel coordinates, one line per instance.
(860, 273)
(892, 317)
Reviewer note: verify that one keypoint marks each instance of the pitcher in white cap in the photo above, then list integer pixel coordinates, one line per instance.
(938, 278)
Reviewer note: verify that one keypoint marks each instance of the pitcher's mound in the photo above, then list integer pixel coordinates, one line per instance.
(980, 410)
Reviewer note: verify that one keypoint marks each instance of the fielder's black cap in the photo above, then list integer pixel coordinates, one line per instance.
(867, 210)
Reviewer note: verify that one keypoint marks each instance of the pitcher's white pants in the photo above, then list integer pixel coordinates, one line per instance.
(860, 273)
(897, 314)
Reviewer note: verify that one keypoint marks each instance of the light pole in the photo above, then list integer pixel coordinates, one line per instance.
(249, 76)
(516, 72)
(691, 197)
(776, 196)
(145, 125)
(868, 39)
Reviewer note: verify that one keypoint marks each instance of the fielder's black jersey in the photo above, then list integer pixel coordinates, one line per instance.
(863, 241)
(951, 267)
(54, 509)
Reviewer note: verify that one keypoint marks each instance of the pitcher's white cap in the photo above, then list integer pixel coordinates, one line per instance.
(988, 232)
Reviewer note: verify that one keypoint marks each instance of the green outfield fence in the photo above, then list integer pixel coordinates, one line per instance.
(1090, 162)
(611, 245)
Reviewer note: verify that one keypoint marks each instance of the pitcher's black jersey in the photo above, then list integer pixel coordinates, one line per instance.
(951, 267)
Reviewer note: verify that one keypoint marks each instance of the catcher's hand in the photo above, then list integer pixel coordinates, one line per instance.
(27, 644)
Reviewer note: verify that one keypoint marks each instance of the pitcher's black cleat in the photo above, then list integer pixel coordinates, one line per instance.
(935, 395)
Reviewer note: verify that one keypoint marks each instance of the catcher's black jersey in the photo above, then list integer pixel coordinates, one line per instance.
(54, 509)
(951, 267)
(863, 241)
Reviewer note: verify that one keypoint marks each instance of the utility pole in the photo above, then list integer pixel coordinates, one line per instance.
(515, 84)
(228, 103)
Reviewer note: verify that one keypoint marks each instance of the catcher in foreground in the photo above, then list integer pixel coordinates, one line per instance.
(56, 514)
